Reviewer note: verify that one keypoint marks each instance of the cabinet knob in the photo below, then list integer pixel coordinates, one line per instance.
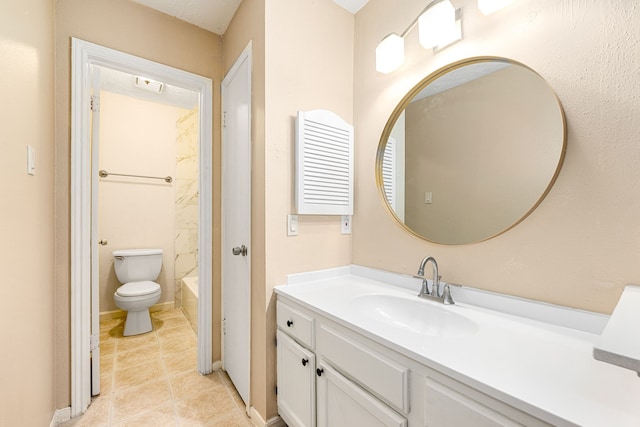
(289, 323)
(319, 371)
(304, 362)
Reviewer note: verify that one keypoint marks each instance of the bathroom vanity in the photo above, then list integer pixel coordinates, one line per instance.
(357, 347)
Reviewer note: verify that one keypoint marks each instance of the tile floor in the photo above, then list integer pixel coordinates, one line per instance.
(151, 380)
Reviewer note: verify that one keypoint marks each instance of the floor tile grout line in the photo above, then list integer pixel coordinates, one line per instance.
(164, 355)
(176, 418)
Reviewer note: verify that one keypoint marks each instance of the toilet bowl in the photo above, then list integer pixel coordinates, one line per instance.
(136, 269)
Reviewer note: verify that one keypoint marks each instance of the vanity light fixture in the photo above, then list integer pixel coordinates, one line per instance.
(439, 25)
(487, 7)
(390, 53)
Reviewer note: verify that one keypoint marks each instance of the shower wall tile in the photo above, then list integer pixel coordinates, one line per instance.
(186, 264)
(186, 199)
(187, 191)
(187, 216)
(186, 240)
(185, 167)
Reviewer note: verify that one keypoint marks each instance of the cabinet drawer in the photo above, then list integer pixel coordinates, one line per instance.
(296, 324)
(383, 377)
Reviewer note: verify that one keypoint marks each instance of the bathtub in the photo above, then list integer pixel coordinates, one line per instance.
(190, 300)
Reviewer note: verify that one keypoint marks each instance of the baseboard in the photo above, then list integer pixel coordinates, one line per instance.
(217, 365)
(258, 421)
(60, 416)
(121, 314)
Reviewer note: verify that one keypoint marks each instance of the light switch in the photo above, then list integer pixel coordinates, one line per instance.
(31, 160)
(428, 198)
(292, 225)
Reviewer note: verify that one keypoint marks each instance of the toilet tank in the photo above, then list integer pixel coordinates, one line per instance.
(136, 265)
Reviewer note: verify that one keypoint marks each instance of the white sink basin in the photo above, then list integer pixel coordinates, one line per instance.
(411, 315)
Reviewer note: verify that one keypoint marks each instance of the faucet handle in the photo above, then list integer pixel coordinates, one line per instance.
(446, 295)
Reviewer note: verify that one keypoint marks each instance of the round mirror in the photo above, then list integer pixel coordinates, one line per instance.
(471, 150)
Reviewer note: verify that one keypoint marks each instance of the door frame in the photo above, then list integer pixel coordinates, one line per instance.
(85, 54)
(246, 57)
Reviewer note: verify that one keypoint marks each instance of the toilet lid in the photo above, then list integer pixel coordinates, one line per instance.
(136, 289)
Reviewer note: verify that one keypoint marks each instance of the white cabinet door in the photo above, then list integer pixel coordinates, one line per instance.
(296, 383)
(449, 403)
(343, 404)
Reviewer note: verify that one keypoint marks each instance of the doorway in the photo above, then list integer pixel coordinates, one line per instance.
(84, 176)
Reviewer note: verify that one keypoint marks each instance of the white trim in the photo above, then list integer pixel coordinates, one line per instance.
(60, 416)
(85, 54)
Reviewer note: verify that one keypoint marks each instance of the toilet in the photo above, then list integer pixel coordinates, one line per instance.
(137, 269)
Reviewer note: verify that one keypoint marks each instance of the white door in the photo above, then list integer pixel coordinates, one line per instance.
(341, 403)
(95, 284)
(236, 222)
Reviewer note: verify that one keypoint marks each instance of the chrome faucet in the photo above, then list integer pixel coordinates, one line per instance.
(436, 279)
(435, 293)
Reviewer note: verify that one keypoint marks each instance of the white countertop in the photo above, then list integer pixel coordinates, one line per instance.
(620, 341)
(541, 368)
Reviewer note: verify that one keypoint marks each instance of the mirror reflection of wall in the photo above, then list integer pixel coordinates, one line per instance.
(482, 145)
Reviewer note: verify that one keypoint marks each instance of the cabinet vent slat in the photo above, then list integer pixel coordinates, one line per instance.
(388, 171)
(324, 164)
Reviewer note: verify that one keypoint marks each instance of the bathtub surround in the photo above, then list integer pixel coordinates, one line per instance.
(186, 199)
(189, 291)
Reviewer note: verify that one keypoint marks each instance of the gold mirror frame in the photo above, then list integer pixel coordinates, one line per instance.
(400, 108)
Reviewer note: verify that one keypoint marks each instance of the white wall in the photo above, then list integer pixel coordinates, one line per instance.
(582, 244)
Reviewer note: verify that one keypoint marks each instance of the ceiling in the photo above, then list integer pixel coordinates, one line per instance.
(215, 15)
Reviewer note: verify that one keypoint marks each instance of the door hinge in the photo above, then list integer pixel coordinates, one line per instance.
(224, 326)
(276, 387)
(94, 342)
(224, 119)
(95, 104)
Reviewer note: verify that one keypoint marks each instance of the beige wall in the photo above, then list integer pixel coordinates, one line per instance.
(580, 246)
(299, 63)
(26, 253)
(309, 65)
(136, 137)
(248, 25)
(134, 29)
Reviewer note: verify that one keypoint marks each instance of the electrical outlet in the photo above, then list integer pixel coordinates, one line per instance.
(345, 224)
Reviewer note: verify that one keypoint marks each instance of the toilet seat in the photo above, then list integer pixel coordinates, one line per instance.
(136, 289)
